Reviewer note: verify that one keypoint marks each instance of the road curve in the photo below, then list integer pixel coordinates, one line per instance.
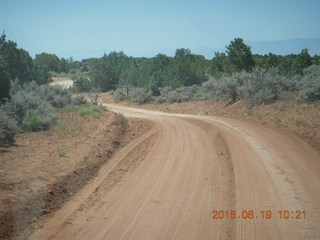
(187, 167)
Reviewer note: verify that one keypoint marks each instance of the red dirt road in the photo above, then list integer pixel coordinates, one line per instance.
(187, 167)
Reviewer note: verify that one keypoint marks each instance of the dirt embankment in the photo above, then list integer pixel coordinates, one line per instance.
(291, 117)
(284, 115)
(45, 169)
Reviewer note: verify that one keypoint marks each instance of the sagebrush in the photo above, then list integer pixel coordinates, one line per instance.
(31, 108)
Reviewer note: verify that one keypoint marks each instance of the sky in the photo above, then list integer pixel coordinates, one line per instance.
(89, 28)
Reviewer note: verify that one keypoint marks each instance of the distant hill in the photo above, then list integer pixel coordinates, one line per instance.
(280, 47)
(285, 47)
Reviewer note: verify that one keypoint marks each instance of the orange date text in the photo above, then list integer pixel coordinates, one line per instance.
(263, 214)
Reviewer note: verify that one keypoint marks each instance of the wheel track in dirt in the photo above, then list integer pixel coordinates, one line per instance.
(191, 166)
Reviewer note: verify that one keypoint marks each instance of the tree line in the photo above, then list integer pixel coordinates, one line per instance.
(117, 70)
(17, 64)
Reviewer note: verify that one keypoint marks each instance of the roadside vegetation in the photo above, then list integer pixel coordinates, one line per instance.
(32, 108)
(28, 103)
(235, 75)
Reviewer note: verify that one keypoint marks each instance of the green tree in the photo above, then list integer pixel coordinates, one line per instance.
(4, 80)
(64, 65)
(117, 60)
(185, 69)
(272, 61)
(239, 56)
(218, 64)
(16, 64)
(129, 76)
(316, 60)
(157, 74)
(83, 84)
(48, 61)
(181, 73)
(18, 61)
(103, 75)
(285, 64)
(181, 52)
(302, 61)
(40, 74)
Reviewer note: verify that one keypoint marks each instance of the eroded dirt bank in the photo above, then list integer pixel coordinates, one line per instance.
(288, 116)
(45, 169)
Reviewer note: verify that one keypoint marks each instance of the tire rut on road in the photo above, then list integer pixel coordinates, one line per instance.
(192, 166)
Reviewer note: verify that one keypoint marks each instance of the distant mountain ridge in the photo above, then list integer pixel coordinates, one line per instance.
(279, 47)
(285, 47)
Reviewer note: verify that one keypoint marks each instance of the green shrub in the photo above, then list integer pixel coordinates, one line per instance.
(34, 123)
(277, 118)
(95, 108)
(228, 88)
(174, 96)
(165, 91)
(31, 108)
(181, 94)
(119, 96)
(163, 95)
(66, 127)
(82, 84)
(27, 108)
(310, 84)
(63, 127)
(258, 114)
(187, 93)
(139, 95)
(209, 87)
(25, 104)
(78, 100)
(264, 96)
(8, 128)
(291, 84)
(288, 95)
(62, 151)
(56, 95)
(201, 94)
(250, 112)
(84, 111)
(89, 110)
(260, 86)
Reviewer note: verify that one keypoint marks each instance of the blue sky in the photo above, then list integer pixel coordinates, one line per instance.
(147, 27)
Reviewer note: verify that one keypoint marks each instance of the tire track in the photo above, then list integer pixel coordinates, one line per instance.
(196, 165)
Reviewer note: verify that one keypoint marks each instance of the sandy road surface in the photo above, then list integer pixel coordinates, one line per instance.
(189, 167)
(65, 83)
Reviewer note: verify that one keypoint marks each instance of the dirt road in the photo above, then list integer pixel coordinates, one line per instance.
(66, 83)
(189, 166)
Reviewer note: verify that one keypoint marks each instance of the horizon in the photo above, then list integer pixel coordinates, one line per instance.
(142, 28)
